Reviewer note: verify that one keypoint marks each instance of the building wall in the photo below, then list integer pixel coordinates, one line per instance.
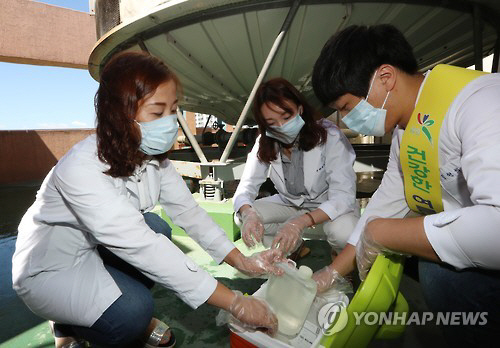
(191, 121)
(35, 33)
(29, 155)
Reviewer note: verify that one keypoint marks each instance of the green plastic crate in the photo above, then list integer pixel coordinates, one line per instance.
(221, 212)
(378, 293)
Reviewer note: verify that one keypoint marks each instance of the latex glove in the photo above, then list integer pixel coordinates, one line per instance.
(252, 313)
(260, 263)
(328, 278)
(252, 229)
(289, 235)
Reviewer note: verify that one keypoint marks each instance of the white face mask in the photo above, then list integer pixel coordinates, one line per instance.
(366, 119)
(158, 136)
(288, 132)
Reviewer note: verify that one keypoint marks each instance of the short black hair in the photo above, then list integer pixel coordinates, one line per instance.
(349, 59)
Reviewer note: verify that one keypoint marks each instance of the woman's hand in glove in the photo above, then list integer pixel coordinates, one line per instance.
(260, 263)
(289, 235)
(252, 228)
(252, 313)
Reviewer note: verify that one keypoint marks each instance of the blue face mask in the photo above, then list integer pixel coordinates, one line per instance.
(159, 135)
(288, 132)
(366, 119)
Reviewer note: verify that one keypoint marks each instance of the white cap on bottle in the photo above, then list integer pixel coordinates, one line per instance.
(305, 272)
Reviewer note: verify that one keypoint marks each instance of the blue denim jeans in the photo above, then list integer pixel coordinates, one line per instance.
(471, 291)
(126, 320)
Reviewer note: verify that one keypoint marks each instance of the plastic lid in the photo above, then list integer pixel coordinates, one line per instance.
(305, 272)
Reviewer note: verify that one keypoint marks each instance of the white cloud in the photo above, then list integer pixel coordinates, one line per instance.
(52, 125)
(79, 124)
(62, 125)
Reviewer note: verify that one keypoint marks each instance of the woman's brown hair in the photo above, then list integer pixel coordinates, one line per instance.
(279, 91)
(125, 80)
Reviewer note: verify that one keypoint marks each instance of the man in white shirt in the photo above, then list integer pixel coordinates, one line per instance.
(370, 76)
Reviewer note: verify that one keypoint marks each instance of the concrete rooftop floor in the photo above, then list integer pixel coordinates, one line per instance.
(20, 328)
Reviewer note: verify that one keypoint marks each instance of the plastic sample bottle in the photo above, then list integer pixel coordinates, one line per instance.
(290, 296)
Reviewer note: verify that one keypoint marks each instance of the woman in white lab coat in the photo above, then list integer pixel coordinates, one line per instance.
(311, 166)
(86, 255)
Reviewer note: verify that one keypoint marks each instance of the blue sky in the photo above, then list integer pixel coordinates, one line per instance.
(38, 97)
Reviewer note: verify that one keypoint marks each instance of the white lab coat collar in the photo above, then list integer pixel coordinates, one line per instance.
(142, 168)
(311, 158)
(426, 75)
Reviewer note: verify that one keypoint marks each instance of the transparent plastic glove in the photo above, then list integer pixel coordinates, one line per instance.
(367, 250)
(252, 229)
(251, 313)
(289, 236)
(260, 263)
(328, 278)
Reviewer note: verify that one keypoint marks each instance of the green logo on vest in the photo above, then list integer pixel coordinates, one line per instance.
(425, 122)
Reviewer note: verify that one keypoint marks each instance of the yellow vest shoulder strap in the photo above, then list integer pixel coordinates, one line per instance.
(419, 147)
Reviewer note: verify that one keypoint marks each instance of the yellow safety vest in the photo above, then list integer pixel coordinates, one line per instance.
(419, 146)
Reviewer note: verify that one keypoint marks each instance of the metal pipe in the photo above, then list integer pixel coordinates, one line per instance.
(194, 143)
(496, 54)
(206, 124)
(142, 45)
(262, 74)
(478, 38)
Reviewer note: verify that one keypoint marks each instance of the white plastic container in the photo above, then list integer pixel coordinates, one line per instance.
(290, 296)
(310, 335)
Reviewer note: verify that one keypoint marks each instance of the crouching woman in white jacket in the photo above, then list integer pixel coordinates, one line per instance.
(311, 166)
(86, 255)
